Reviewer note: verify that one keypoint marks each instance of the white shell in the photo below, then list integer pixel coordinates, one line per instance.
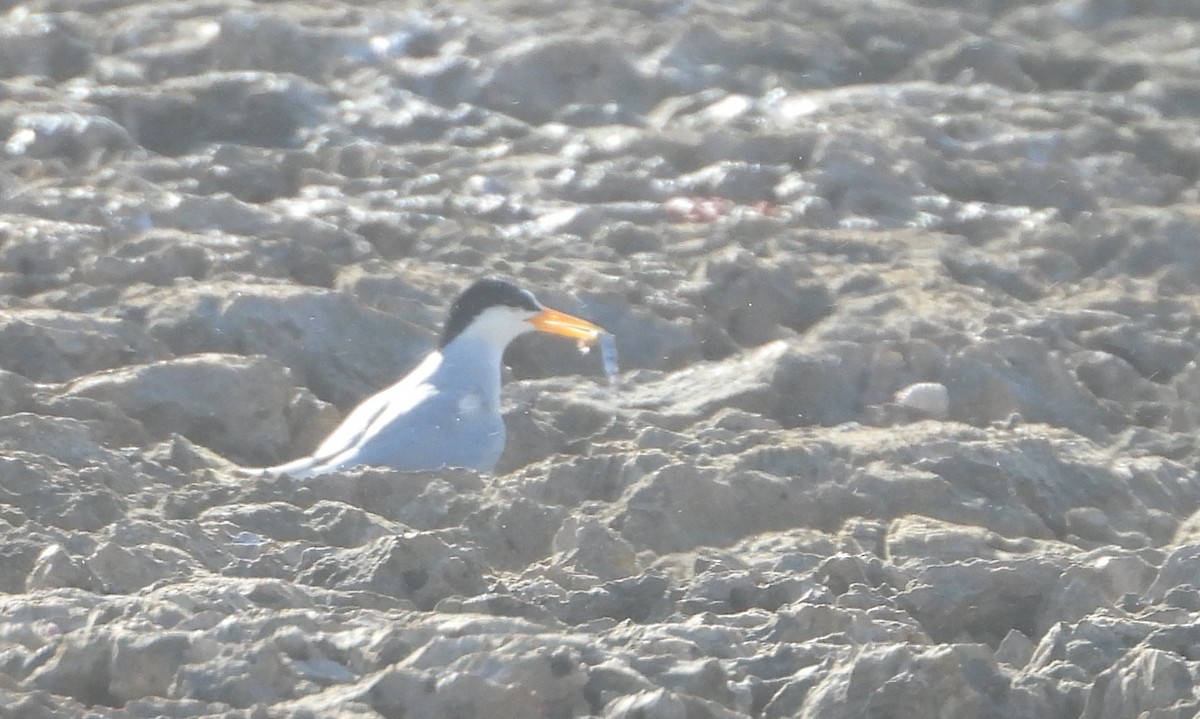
(931, 398)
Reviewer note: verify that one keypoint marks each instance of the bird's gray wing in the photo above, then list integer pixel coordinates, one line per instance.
(445, 428)
(381, 408)
(378, 409)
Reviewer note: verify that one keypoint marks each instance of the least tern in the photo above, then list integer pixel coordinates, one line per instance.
(446, 412)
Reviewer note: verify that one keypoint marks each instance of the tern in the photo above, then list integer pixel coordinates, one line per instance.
(446, 411)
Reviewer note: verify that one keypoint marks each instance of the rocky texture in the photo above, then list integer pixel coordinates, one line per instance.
(905, 294)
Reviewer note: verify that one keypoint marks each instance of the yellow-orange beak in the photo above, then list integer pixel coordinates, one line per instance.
(561, 323)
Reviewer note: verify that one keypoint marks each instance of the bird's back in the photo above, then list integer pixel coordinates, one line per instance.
(446, 429)
(442, 414)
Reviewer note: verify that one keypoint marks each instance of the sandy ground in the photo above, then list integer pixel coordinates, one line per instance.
(906, 298)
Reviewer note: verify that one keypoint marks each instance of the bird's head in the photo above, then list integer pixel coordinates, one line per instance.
(498, 312)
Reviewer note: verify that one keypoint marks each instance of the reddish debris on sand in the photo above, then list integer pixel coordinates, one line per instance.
(697, 209)
(708, 209)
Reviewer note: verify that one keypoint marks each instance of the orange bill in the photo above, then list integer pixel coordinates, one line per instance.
(561, 323)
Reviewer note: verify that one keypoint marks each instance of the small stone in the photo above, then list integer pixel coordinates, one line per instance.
(931, 399)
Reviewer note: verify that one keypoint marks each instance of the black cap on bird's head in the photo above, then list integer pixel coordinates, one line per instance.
(488, 293)
(485, 293)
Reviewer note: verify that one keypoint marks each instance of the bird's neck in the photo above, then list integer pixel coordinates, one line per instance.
(476, 357)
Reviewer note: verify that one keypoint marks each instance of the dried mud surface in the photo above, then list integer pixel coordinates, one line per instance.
(906, 297)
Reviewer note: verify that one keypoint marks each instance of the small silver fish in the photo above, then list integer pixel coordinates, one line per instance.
(608, 354)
